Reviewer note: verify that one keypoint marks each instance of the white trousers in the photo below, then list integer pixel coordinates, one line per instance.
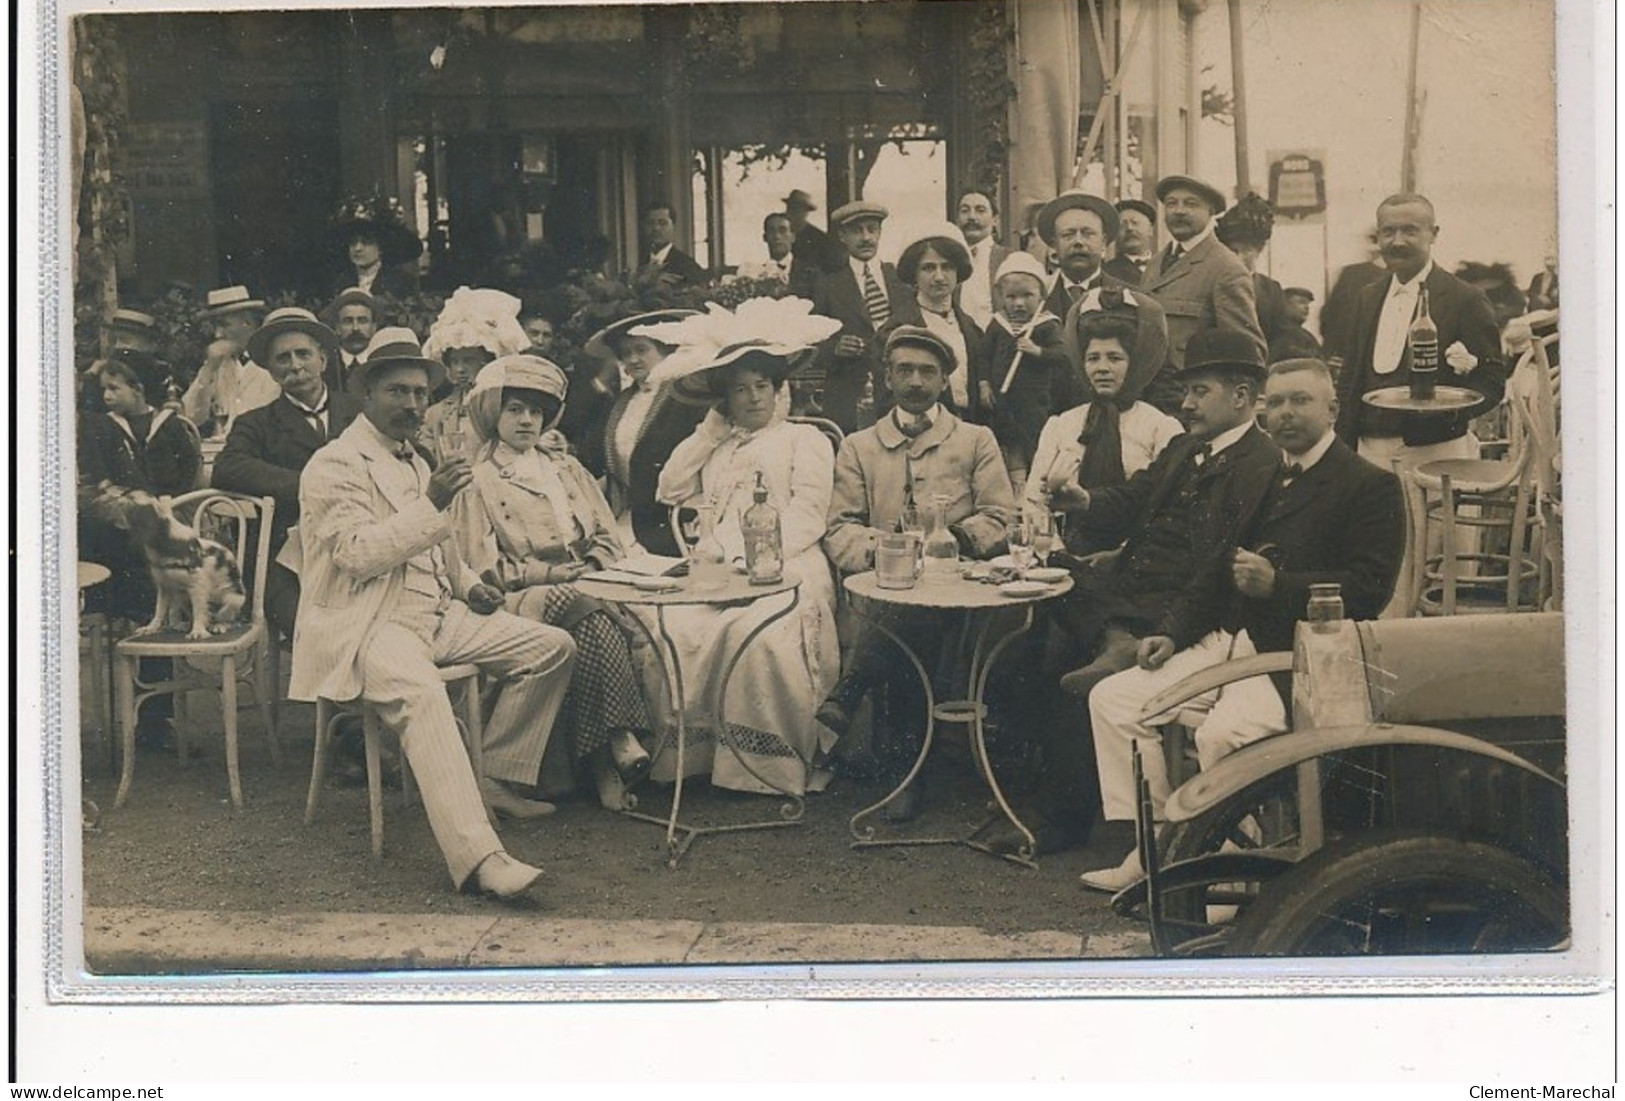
(1236, 715)
(1383, 450)
(400, 680)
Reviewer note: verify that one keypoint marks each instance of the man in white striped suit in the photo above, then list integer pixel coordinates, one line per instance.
(384, 598)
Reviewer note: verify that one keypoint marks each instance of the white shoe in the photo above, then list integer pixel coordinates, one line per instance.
(1112, 880)
(501, 876)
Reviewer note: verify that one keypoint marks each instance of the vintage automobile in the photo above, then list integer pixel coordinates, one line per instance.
(1417, 807)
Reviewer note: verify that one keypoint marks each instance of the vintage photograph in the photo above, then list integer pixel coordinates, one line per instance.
(617, 486)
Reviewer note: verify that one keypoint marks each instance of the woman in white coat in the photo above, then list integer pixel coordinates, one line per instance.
(788, 668)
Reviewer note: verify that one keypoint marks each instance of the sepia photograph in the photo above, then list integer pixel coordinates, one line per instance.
(576, 497)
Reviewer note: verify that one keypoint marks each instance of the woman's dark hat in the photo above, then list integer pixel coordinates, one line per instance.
(382, 218)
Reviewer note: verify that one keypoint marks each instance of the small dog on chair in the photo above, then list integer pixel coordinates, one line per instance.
(188, 571)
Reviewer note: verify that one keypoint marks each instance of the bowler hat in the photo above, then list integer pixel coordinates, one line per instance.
(1210, 194)
(397, 346)
(1222, 352)
(798, 197)
(1077, 200)
(853, 211)
(290, 319)
(917, 336)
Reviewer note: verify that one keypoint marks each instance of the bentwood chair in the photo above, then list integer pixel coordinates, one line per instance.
(239, 653)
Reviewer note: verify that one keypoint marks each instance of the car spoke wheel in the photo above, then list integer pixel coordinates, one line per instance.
(1404, 894)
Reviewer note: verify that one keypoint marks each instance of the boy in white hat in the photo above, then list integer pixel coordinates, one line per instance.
(1026, 358)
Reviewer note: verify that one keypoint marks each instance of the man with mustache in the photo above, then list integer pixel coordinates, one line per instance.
(385, 599)
(1200, 283)
(1329, 517)
(917, 451)
(979, 222)
(353, 317)
(862, 294)
(1379, 348)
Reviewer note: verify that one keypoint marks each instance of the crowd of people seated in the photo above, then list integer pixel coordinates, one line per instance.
(441, 493)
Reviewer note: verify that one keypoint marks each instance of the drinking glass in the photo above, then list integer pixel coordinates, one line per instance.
(896, 559)
(1045, 534)
(912, 522)
(1019, 536)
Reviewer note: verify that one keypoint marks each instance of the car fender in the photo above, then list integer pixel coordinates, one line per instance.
(1252, 763)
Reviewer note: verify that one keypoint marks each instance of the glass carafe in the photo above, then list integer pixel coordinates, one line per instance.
(941, 550)
(708, 563)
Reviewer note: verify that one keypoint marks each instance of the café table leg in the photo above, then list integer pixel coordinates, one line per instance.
(865, 836)
(680, 835)
(982, 663)
(974, 712)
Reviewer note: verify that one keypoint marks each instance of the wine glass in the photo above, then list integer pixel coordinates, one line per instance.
(1019, 537)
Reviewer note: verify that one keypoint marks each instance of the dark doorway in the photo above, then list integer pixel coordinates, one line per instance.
(276, 181)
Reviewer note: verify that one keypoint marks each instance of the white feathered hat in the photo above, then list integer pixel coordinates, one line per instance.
(779, 329)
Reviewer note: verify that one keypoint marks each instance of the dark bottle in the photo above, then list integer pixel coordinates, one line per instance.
(1424, 351)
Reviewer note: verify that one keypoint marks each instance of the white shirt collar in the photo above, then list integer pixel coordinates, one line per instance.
(1309, 458)
(1225, 439)
(1186, 246)
(659, 255)
(308, 410)
(1409, 287)
(874, 270)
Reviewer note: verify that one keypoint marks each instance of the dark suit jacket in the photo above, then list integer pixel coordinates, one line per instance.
(1124, 270)
(671, 420)
(1343, 521)
(837, 294)
(1269, 299)
(1462, 313)
(816, 251)
(1337, 316)
(1207, 287)
(1059, 303)
(680, 268)
(269, 447)
(1232, 486)
(339, 379)
(975, 349)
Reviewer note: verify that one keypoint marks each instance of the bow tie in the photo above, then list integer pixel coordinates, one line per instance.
(1202, 454)
(405, 454)
(914, 428)
(1290, 472)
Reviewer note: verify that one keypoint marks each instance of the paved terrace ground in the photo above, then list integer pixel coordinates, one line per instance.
(176, 881)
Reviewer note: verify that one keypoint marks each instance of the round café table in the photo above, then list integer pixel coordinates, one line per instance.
(972, 597)
(737, 589)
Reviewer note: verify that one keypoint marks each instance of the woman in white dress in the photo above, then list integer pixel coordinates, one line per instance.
(789, 667)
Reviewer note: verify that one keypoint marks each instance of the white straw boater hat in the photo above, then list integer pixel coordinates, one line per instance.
(777, 334)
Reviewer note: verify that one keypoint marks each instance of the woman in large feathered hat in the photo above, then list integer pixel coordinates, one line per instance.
(533, 521)
(738, 361)
(377, 242)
